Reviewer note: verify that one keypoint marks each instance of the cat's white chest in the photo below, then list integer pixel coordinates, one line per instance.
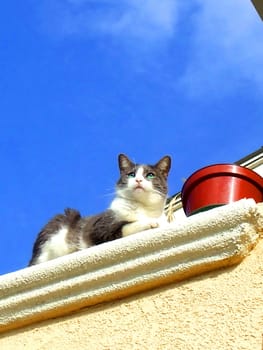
(133, 211)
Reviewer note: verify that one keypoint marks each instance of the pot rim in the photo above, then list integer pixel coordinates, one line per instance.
(220, 169)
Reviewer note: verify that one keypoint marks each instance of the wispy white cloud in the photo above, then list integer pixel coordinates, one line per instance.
(143, 20)
(140, 20)
(223, 41)
(226, 51)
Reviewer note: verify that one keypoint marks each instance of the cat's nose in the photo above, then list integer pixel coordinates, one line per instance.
(138, 180)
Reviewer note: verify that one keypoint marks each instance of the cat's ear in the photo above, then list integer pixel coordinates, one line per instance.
(124, 163)
(164, 165)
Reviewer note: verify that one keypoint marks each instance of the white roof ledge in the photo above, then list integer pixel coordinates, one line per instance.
(206, 241)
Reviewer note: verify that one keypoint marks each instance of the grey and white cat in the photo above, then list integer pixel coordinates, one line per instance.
(138, 205)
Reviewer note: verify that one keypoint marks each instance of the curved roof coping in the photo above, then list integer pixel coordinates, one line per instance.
(206, 241)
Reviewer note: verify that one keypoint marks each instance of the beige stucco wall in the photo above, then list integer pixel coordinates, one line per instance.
(219, 310)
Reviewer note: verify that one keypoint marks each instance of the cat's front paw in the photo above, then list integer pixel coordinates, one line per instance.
(139, 226)
(152, 224)
(147, 224)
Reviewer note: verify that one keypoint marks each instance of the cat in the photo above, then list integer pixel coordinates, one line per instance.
(138, 205)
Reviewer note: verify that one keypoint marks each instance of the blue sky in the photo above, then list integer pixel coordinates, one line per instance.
(84, 80)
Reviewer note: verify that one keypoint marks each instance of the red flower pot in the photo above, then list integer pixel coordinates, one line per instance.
(220, 184)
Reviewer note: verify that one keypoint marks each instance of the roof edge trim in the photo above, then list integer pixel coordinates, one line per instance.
(214, 239)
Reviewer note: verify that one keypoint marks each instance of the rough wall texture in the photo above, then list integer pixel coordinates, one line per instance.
(219, 310)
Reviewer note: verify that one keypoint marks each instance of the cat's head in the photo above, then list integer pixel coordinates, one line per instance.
(143, 183)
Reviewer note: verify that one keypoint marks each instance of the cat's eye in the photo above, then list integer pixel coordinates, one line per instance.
(131, 174)
(150, 176)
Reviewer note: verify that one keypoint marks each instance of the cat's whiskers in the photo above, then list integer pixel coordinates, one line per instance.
(110, 194)
(159, 192)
